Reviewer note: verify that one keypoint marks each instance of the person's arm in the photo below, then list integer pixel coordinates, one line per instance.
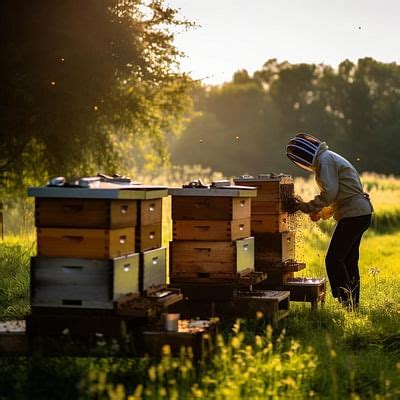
(329, 185)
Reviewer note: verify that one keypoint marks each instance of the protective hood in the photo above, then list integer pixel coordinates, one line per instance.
(303, 150)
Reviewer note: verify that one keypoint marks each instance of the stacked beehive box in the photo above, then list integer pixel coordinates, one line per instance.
(95, 245)
(274, 231)
(212, 249)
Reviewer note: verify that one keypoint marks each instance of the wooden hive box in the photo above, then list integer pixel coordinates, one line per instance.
(271, 223)
(211, 230)
(85, 213)
(271, 248)
(85, 243)
(270, 187)
(197, 260)
(82, 283)
(149, 227)
(153, 268)
(210, 208)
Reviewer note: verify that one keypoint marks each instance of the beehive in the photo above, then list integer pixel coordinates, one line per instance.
(211, 233)
(273, 229)
(84, 236)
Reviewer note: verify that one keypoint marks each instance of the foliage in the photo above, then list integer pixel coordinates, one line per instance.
(328, 354)
(84, 83)
(244, 125)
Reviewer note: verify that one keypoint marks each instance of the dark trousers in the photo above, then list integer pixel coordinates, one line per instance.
(342, 258)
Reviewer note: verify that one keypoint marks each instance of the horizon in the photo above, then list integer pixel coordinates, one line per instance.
(295, 31)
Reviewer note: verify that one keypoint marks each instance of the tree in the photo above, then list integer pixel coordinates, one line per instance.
(85, 82)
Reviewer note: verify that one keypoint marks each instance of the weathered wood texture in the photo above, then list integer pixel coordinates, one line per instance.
(85, 243)
(82, 283)
(211, 230)
(148, 237)
(206, 291)
(264, 223)
(272, 304)
(275, 190)
(274, 280)
(271, 248)
(210, 208)
(150, 212)
(85, 213)
(220, 260)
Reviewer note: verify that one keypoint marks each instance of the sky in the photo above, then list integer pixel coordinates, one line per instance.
(237, 34)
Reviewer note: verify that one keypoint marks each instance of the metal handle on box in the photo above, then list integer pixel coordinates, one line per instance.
(241, 227)
(127, 267)
(152, 207)
(124, 209)
(152, 235)
(154, 260)
(245, 247)
(242, 203)
(207, 249)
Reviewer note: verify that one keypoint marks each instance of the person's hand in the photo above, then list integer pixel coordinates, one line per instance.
(292, 204)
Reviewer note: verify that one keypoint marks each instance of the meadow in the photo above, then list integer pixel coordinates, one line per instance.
(327, 354)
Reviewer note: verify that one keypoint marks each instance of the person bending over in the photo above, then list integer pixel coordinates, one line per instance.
(341, 195)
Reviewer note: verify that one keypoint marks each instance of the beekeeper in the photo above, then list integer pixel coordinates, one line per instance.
(342, 197)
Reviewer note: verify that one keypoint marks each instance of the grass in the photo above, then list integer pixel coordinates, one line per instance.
(328, 354)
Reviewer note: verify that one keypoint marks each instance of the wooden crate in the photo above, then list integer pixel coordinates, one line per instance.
(85, 213)
(148, 237)
(273, 189)
(150, 212)
(311, 290)
(211, 230)
(210, 208)
(153, 268)
(272, 304)
(271, 248)
(192, 260)
(85, 243)
(82, 283)
(262, 223)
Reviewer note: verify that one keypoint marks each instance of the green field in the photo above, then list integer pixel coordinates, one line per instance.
(328, 354)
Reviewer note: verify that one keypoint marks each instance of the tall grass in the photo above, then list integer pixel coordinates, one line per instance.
(327, 354)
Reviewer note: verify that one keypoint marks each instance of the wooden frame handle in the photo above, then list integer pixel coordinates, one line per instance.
(203, 228)
(73, 238)
(72, 208)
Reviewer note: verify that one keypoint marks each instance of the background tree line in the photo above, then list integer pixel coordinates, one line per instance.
(244, 125)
